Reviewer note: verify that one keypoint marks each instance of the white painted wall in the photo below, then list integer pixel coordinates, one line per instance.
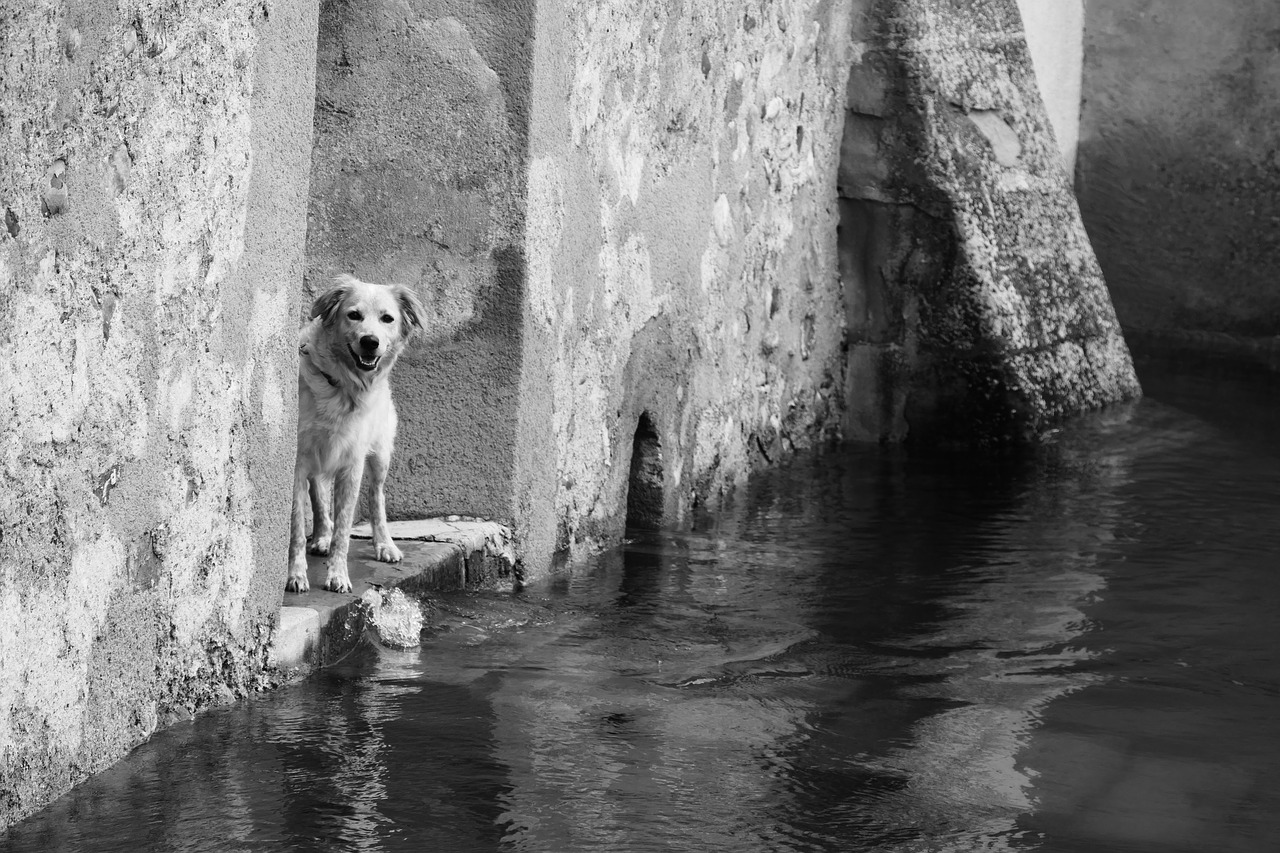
(1055, 36)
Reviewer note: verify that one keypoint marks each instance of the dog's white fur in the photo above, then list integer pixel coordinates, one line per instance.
(346, 419)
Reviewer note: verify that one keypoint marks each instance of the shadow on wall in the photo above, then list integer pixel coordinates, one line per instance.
(890, 254)
(1178, 169)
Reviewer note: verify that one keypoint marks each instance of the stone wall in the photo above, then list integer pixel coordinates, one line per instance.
(153, 185)
(976, 311)
(681, 247)
(1179, 175)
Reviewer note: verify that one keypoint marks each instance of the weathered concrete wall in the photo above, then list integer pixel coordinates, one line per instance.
(418, 177)
(976, 309)
(1054, 31)
(1179, 176)
(153, 184)
(681, 245)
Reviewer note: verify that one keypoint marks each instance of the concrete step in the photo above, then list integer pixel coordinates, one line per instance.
(319, 627)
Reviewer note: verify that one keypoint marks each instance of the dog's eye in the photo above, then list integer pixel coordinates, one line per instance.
(387, 318)
(355, 315)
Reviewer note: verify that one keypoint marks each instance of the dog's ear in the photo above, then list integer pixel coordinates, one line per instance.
(410, 309)
(327, 304)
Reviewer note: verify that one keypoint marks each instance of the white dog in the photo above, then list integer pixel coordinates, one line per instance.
(345, 419)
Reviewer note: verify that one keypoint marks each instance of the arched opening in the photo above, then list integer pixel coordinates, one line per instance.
(644, 487)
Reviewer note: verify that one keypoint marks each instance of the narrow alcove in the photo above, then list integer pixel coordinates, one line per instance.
(644, 485)
(417, 177)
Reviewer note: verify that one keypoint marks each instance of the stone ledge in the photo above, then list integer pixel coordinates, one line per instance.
(319, 627)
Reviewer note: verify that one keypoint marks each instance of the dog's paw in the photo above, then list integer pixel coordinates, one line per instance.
(337, 582)
(387, 552)
(319, 546)
(297, 583)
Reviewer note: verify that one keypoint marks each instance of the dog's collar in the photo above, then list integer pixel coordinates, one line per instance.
(305, 353)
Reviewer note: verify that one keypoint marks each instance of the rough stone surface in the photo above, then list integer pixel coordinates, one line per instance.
(417, 178)
(681, 251)
(977, 313)
(1179, 175)
(153, 178)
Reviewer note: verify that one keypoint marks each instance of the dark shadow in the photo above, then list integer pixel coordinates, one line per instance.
(644, 486)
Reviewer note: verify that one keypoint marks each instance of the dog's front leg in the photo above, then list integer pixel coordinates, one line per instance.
(384, 548)
(321, 515)
(346, 491)
(297, 581)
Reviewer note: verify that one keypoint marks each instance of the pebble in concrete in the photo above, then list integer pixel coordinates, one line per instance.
(54, 195)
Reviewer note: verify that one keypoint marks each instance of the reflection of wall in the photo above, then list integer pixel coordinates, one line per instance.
(417, 177)
(152, 183)
(1178, 170)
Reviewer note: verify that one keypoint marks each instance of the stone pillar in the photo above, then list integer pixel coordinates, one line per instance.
(977, 313)
(153, 175)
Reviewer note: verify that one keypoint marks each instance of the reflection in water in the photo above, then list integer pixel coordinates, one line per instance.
(1069, 650)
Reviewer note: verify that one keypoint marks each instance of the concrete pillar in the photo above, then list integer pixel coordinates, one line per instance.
(976, 309)
(153, 172)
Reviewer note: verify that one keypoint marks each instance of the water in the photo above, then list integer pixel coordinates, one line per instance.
(1073, 650)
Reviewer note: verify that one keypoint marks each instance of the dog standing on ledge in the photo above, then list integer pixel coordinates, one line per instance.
(346, 420)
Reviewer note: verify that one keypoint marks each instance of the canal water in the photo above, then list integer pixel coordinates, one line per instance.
(1068, 650)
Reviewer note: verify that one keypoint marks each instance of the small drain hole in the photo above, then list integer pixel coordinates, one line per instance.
(644, 489)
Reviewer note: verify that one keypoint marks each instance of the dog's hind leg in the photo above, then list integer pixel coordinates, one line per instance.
(321, 515)
(297, 581)
(346, 493)
(383, 547)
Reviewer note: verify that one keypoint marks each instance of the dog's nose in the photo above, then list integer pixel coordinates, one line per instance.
(369, 343)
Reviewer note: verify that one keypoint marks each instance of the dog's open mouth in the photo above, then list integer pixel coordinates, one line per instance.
(365, 362)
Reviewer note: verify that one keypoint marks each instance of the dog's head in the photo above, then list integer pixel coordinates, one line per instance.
(367, 325)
